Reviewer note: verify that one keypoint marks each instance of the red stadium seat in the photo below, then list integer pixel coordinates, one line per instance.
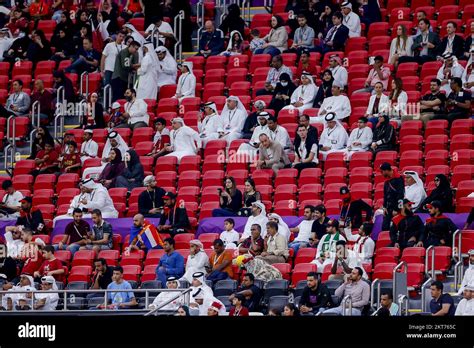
(384, 271)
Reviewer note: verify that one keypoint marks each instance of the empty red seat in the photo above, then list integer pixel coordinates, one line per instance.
(383, 271)
(83, 258)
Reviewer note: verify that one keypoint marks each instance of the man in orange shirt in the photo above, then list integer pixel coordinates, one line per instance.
(220, 263)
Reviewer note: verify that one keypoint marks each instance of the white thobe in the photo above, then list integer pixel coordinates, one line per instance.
(465, 307)
(340, 74)
(467, 279)
(147, 79)
(335, 138)
(456, 71)
(233, 122)
(165, 27)
(51, 300)
(352, 21)
(305, 95)
(340, 105)
(186, 87)
(166, 72)
(362, 136)
(251, 151)
(14, 246)
(416, 194)
(195, 263)
(280, 135)
(165, 297)
(209, 128)
(363, 248)
(99, 198)
(89, 147)
(12, 200)
(258, 220)
(137, 110)
(183, 142)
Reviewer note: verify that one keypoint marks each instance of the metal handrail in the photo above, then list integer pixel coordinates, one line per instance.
(344, 302)
(395, 270)
(8, 149)
(107, 96)
(35, 116)
(199, 20)
(401, 300)
(432, 261)
(375, 283)
(155, 37)
(423, 295)
(81, 85)
(60, 92)
(65, 292)
(59, 117)
(268, 5)
(178, 32)
(458, 275)
(456, 234)
(187, 291)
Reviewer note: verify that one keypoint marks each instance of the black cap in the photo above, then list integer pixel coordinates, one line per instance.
(385, 166)
(344, 190)
(27, 199)
(435, 204)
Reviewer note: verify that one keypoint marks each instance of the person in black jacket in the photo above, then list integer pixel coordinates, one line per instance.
(316, 296)
(230, 199)
(282, 93)
(325, 90)
(351, 210)
(384, 135)
(336, 36)
(133, 174)
(406, 228)
(442, 193)
(61, 80)
(439, 229)
(30, 218)
(452, 43)
(312, 131)
(150, 201)
(174, 214)
(393, 193)
(232, 21)
(252, 121)
(369, 12)
(306, 151)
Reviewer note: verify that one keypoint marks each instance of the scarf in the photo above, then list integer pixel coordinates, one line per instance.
(434, 219)
(137, 232)
(326, 245)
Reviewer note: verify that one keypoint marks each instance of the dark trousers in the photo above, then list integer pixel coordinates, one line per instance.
(9, 268)
(118, 88)
(215, 276)
(451, 117)
(223, 212)
(4, 112)
(418, 59)
(387, 220)
(301, 166)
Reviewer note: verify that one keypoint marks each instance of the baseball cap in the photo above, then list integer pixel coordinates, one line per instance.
(169, 195)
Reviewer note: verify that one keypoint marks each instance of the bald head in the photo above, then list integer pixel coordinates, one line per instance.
(209, 26)
(138, 220)
(39, 85)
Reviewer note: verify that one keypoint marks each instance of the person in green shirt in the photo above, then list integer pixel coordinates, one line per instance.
(125, 63)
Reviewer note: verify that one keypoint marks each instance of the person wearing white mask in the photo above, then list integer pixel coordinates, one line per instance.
(259, 217)
(185, 141)
(93, 196)
(167, 67)
(303, 96)
(351, 19)
(466, 305)
(250, 148)
(468, 273)
(210, 125)
(360, 138)
(197, 260)
(147, 82)
(233, 117)
(334, 137)
(186, 87)
(451, 68)
(338, 104)
(414, 189)
(114, 140)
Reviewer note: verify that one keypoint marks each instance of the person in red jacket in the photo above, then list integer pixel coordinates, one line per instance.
(238, 310)
(51, 265)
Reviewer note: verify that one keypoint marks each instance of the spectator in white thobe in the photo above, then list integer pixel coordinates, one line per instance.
(303, 96)
(351, 19)
(147, 83)
(197, 260)
(337, 104)
(414, 189)
(468, 273)
(186, 87)
(89, 147)
(233, 117)
(210, 125)
(451, 68)
(167, 67)
(185, 141)
(339, 73)
(251, 147)
(334, 137)
(360, 138)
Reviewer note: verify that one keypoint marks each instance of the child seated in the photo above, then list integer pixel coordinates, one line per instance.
(256, 42)
(229, 236)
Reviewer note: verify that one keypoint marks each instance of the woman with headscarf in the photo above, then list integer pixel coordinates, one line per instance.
(186, 87)
(303, 96)
(94, 117)
(384, 135)
(172, 283)
(113, 169)
(442, 193)
(283, 228)
(414, 189)
(282, 93)
(40, 48)
(61, 80)
(42, 137)
(325, 90)
(236, 45)
(81, 19)
(183, 311)
(277, 38)
(133, 174)
(230, 199)
(64, 46)
(167, 67)
(66, 25)
(147, 82)
(197, 260)
(233, 21)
